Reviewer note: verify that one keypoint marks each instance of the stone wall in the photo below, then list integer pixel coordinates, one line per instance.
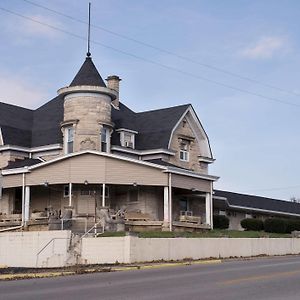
(184, 130)
(90, 110)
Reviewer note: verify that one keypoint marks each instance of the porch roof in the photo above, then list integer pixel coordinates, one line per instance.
(98, 167)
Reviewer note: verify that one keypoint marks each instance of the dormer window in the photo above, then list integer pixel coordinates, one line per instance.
(184, 151)
(127, 138)
(105, 139)
(1, 138)
(69, 139)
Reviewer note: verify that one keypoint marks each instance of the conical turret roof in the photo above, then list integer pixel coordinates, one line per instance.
(88, 75)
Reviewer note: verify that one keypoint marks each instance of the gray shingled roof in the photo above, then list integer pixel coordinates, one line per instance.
(154, 127)
(88, 75)
(257, 202)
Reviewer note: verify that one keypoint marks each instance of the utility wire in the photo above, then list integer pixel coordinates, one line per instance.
(212, 67)
(152, 61)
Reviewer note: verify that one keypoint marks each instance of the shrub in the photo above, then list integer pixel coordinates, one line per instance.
(221, 222)
(275, 225)
(292, 225)
(252, 224)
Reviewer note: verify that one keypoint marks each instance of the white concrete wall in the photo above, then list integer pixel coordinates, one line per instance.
(20, 249)
(132, 249)
(105, 250)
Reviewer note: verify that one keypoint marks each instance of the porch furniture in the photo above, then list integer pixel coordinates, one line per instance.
(41, 215)
(136, 216)
(11, 218)
(187, 216)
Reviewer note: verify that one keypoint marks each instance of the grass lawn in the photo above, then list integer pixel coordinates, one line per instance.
(216, 233)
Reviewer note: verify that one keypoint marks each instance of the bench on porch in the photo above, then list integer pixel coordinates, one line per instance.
(10, 218)
(187, 216)
(136, 216)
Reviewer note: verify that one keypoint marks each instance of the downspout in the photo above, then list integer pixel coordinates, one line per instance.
(170, 202)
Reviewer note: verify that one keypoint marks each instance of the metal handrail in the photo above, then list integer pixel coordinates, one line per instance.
(51, 241)
(95, 225)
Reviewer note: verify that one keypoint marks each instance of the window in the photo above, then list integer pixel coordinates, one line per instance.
(69, 140)
(66, 191)
(128, 140)
(1, 138)
(105, 139)
(133, 195)
(183, 205)
(184, 151)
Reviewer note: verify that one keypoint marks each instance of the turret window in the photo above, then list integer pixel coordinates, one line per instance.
(69, 139)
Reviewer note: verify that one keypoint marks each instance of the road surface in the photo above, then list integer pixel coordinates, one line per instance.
(263, 278)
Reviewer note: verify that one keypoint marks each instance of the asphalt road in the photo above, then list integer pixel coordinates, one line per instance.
(264, 278)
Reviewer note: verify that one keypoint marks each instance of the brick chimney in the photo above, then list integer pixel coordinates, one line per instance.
(113, 82)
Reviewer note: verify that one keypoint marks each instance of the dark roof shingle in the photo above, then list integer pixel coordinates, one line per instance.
(88, 75)
(257, 202)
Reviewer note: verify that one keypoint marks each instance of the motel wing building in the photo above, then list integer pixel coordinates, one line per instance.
(84, 156)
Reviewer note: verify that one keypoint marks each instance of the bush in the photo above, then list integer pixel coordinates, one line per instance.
(221, 222)
(275, 225)
(292, 225)
(252, 224)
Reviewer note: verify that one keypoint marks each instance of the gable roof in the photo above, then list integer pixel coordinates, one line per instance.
(88, 75)
(250, 202)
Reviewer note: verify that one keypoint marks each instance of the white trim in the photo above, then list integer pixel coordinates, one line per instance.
(32, 150)
(127, 130)
(206, 159)
(15, 171)
(178, 171)
(142, 152)
(1, 138)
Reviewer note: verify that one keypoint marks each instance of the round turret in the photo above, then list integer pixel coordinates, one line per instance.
(87, 121)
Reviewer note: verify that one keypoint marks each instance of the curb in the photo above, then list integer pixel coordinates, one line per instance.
(166, 265)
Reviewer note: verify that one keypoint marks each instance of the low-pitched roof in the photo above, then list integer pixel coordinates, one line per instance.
(249, 202)
(21, 163)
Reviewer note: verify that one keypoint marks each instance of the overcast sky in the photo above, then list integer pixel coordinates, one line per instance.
(255, 140)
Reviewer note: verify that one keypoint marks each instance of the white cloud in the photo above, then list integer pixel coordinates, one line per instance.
(17, 91)
(265, 47)
(38, 29)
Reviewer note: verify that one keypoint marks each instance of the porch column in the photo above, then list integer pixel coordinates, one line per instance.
(208, 209)
(103, 195)
(70, 194)
(166, 205)
(27, 204)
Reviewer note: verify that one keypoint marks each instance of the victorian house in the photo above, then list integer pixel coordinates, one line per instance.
(85, 158)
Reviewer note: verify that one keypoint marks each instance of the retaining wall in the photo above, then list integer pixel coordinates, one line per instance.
(20, 249)
(132, 249)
